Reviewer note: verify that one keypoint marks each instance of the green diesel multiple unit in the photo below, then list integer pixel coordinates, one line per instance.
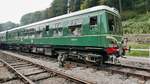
(93, 34)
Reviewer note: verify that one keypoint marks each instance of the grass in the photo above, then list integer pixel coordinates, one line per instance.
(138, 53)
(139, 46)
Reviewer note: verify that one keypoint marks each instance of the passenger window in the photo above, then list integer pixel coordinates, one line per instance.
(75, 30)
(58, 32)
(58, 29)
(55, 32)
(93, 21)
(47, 27)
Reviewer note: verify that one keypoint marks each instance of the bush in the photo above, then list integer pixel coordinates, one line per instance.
(137, 25)
(128, 15)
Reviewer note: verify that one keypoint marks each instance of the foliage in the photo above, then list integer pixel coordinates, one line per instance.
(128, 8)
(59, 7)
(88, 3)
(75, 5)
(128, 15)
(34, 17)
(137, 25)
(7, 25)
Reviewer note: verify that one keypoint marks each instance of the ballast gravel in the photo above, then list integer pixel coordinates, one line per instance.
(5, 74)
(90, 74)
(55, 80)
(135, 61)
(14, 82)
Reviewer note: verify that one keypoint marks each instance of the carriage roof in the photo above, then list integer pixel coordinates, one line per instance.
(93, 9)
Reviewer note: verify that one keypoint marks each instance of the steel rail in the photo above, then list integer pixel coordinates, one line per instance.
(61, 74)
(127, 66)
(117, 69)
(58, 73)
(108, 65)
(21, 76)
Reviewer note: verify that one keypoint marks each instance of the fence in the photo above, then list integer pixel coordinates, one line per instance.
(142, 50)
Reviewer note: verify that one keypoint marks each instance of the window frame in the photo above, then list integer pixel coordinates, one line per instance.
(115, 16)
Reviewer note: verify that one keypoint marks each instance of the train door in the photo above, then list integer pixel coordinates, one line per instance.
(93, 24)
(93, 28)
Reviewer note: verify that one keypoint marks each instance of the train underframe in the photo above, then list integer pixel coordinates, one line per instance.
(94, 55)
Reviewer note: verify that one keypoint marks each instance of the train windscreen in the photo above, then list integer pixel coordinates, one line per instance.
(114, 24)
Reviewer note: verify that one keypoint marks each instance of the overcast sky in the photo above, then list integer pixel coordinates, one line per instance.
(12, 10)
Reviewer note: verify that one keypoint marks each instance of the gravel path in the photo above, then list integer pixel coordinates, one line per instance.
(136, 61)
(101, 77)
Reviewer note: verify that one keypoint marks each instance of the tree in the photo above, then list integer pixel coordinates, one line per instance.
(8, 25)
(59, 7)
(1, 27)
(89, 3)
(103, 2)
(26, 19)
(34, 17)
(75, 5)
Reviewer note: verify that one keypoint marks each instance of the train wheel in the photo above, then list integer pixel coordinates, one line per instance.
(61, 59)
(99, 61)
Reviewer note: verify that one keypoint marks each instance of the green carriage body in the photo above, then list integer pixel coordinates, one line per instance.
(41, 33)
(95, 31)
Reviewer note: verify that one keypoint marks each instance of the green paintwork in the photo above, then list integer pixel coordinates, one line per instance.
(95, 37)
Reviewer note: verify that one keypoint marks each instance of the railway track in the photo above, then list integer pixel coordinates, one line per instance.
(142, 73)
(31, 73)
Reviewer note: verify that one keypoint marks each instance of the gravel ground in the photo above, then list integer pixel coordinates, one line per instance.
(136, 61)
(14, 82)
(5, 74)
(55, 80)
(101, 77)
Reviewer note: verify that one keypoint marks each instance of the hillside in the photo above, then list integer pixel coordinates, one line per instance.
(137, 25)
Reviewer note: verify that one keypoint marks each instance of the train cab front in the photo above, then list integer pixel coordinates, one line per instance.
(115, 42)
(117, 47)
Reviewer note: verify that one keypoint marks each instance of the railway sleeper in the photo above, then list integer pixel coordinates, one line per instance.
(40, 76)
(24, 66)
(17, 64)
(35, 73)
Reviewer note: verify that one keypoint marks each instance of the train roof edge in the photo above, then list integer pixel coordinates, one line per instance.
(92, 9)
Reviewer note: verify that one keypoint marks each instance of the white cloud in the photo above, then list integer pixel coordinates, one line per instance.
(12, 10)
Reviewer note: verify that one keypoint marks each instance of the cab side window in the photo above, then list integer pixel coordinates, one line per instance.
(93, 21)
(111, 22)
